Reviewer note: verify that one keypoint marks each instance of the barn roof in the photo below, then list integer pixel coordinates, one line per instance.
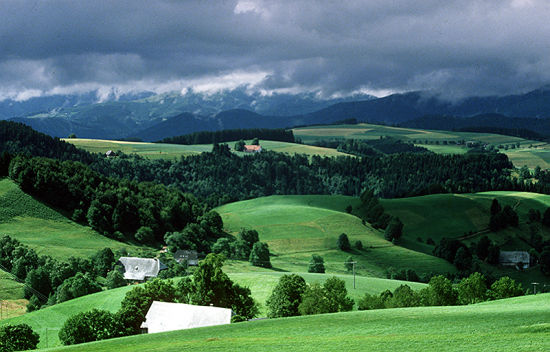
(513, 257)
(252, 148)
(164, 316)
(140, 268)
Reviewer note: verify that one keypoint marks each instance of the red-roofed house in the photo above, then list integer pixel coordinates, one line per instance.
(252, 148)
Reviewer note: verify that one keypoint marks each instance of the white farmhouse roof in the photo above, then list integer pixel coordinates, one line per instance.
(140, 268)
(513, 258)
(163, 316)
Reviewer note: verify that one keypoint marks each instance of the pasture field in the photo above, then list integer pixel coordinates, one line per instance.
(48, 321)
(146, 150)
(455, 215)
(46, 230)
(517, 324)
(295, 227)
(9, 288)
(530, 153)
(175, 151)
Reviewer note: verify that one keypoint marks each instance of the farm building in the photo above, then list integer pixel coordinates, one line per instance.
(185, 255)
(518, 259)
(140, 269)
(110, 153)
(163, 316)
(248, 148)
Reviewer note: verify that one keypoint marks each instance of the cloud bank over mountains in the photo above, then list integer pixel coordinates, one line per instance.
(456, 48)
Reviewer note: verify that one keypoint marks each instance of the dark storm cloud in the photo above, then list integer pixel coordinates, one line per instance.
(454, 47)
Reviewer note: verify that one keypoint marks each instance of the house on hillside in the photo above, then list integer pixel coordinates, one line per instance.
(164, 316)
(110, 153)
(517, 259)
(191, 257)
(140, 269)
(249, 148)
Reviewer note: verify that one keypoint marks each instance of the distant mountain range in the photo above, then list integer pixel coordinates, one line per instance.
(153, 117)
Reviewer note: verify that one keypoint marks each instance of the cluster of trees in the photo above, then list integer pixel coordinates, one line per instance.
(209, 285)
(293, 296)
(17, 138)
(207, 137)
(221, 176)
(117, 208)
(246, 246)
(362, 147)
(441, 292)
(501, 218)
(456, 252)
(49, 281)
(17, 337)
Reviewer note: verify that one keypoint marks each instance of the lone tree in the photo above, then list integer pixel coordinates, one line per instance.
(239, 146)
(17, 337)
(259, 256)
(495, 207)
(349, 264)
(316, 264)
(286, 296)
(394, 230)
(343, 242)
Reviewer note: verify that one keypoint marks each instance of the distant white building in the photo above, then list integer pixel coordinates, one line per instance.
(163, 316)
(140, 269)
(518, 259)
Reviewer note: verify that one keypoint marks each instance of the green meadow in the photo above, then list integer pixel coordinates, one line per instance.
(295, 227)
(517, 324)
(48, 321)
(175, 151)
(530, 153)
(46, 230)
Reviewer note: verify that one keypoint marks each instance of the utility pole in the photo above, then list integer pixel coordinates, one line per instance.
(535, 287)
(353, 273)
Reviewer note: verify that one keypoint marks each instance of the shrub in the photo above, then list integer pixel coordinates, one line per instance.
(472, 289)
(114, 279)
(286, 296)
(17, 337)
(359, 245)
(394, 230)
(505, 288)
(368, 302)
(403, 296)
(89, 326)
(259, 256)
(441, 292)
(316, 264)
(343, 242)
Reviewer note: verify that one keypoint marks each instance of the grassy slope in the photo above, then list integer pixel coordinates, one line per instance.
(175, 151)
(47, 322)
(530, 153)
(261, 285)
(44, 229)
(453, 215)
(295, 227)
(519, 324)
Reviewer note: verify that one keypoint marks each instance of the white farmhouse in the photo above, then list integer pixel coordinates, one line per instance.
(163, 316)
(140, 269)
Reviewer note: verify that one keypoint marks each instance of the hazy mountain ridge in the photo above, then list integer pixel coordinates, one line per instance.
(165, 115)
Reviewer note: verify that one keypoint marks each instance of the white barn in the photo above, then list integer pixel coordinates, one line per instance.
(140, 269)
(514, 258)
(164, 316)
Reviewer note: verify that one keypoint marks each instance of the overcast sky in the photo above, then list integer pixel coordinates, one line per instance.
(456, 48)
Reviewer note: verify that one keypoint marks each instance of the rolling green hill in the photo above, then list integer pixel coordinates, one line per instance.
(455, 215)
(47, 321)
(529, 152)
(45, 229)
(175, 151)
(295, 227)
(517, 324)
